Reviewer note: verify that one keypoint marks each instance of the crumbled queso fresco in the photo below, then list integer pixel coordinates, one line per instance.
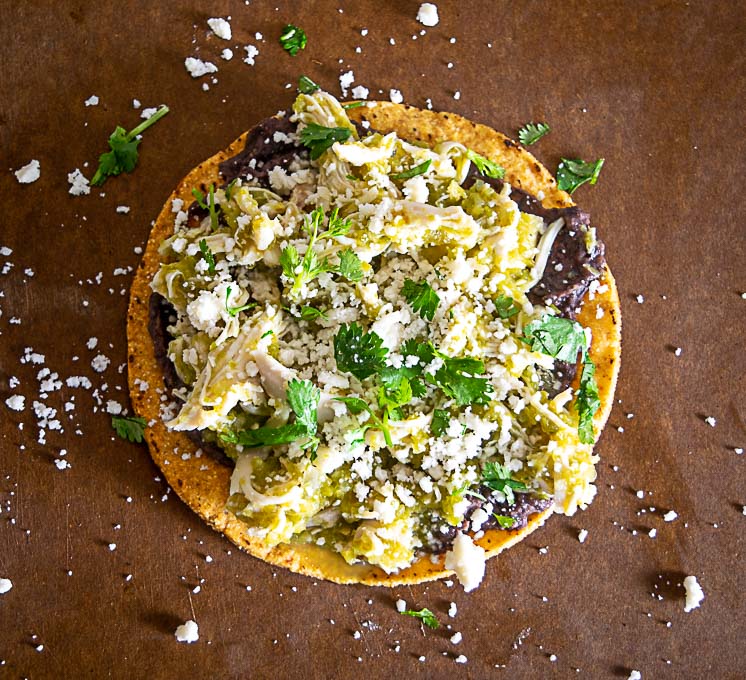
(338, 337)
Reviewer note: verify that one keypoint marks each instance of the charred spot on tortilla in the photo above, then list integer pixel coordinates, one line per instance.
(574, 262)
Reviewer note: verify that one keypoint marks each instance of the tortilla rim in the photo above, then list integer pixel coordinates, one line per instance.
(203, 483)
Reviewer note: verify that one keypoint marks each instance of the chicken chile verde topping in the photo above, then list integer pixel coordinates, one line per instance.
(363, 327)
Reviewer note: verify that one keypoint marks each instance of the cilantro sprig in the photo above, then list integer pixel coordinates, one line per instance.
(306, 85)
(422, 298)
(357, 352)
(424, 615)
(293, 39)
(318, 138)
(131, 428)
(497, 477)
(414, 171)
(302, 270)
(208, 256)
(532, 133)
(123, 154)
(506, 307)
(485, 166)
(208, 203)
(572, 173)
(234, 311)
(356, 406)
(564, 339)
(303, 397)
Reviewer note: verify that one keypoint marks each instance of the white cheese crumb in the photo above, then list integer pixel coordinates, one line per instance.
(112, 547)
(396, 96)
(711, 421)
(452, 610)
(78, 183)
(738, 450)
(99, 363)
(208, 558)
(149, 112)
(670, 516)
(640, 494)
(677, 352)
(461, 659)
(456, 638)
(29, 172)
(582, 535)
(652, 533)
(694, 593)
(345, 80)
(220, 27)
(457, 95)
(467, 560)
(187, 632)
(635, 675)
(39, 648)
(251, 54)
(123, 209)
(640, 299)
(360, 92)
(17, 402)
(227, 54)
(91, 101)
(428, 14)
(198, 68)
(61, 463)
(136, 104)
(401, 605)
(92, 342)
(5, 585)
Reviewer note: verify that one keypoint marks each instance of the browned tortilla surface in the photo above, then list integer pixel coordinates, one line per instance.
(203, 483)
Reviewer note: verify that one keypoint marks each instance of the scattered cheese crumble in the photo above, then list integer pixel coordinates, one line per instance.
(467, 560)
(694, 593)
(187, 632)
(221, 28)
(5, 585)
(29, 172)
(427, 15)
(197, 67)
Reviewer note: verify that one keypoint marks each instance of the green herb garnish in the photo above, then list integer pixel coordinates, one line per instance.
(497, 478)
(306, 85)
(309, 313)
(587, 402)
(420, 169)
(571, 173)
(293, 39)
(485, 166)
(358, 352)
(506, 307)
(440, 421)
(504, 521)
(357, 406)
(209, 257)
(233, 311)
(557, 337)
(353, 105)
(123, 155)
(532, 133)
(349, 265)
(421, 297)
(131, 428)
(425, 615)
(318, 138)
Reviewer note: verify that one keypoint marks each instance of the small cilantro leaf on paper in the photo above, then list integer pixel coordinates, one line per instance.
(572, 173)
(485, 166)
(123, 153)
(209, 257)
(293, 39)
(421, 297)
(420, 169)
(358, 352)
(306, 85)
(131, 428)
(424, 615)
(318, 138)
(497, 477)
(532, 133)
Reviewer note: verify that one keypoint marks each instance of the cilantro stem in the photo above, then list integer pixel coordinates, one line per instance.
(147, 123)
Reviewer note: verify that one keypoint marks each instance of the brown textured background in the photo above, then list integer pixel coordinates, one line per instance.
(655, 88)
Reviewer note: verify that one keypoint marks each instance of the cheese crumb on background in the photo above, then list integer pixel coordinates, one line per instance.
(227, 54)
(428, 14)
(29, 173)
(582, 535)
(345, 80)
(17, 402)
(91, 101)
(187, 632)
(635, 675)
(467, 560)
(670, 516)
(78, 183)
(401, 605)
(396, 96)
(251, 54)
(694, 593)
(221, 28)
(197, 67)
(5, 585)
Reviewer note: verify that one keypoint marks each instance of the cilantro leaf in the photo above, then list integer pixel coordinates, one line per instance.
(265, 436)
(425, 615)
(233, 311)
(131, 428)
(293, 39)
(506, 307)
(504, 521)
(456, 377)
(358, 352)
(290, 261)
(357, 406)
(352, 105)
(497, 478)
(337, 226)
(349, 265)
(318, 138)
(485, 166)
(200, 198)
(422, 298)
(303, 397)
(209, 257)
(123, 154)
(440, 421)
(306, 85)
(308, 313)
(571, 173)
(420, 169)
(532, 133)
(557, 337)
(587, 402)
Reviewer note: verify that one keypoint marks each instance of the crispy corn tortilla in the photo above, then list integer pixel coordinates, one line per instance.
(203, 483)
